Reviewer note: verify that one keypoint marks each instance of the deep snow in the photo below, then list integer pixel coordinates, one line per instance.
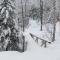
(34, 51)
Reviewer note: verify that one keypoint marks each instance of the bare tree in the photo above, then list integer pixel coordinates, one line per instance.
(41, 12)
(24, 19)
(54, 19)
(22, 24)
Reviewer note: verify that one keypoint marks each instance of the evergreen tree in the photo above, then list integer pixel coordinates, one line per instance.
(8, 34)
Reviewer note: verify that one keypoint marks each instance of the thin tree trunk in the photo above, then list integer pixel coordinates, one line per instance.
(54, 20)
(41, 12)
(54, 30)
(23, 25)
(25, 7)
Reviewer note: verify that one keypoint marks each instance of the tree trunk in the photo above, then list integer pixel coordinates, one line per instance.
(54, 20)
(23, 43)
(23, 25)
(54, 29)
(41, 12)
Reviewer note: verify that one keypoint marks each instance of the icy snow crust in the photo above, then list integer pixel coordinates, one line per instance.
(35, 52)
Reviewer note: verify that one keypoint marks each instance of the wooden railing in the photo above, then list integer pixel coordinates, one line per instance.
(43, 41)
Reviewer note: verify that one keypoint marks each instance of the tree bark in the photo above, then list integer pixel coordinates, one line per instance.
(23, 25)
(41, 12)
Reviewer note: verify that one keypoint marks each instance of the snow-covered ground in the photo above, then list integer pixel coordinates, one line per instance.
(35, 30)
(34, 51)
(35, 54)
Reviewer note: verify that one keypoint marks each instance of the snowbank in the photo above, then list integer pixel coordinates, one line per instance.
(34, 52)
(37, 54)
(31, 43)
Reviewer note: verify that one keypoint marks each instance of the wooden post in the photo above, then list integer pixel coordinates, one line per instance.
(37, 39)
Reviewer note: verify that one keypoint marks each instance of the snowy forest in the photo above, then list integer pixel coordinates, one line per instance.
(30, 27)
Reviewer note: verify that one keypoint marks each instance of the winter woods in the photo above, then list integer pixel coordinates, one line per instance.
(9, 34)
(22, 17)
